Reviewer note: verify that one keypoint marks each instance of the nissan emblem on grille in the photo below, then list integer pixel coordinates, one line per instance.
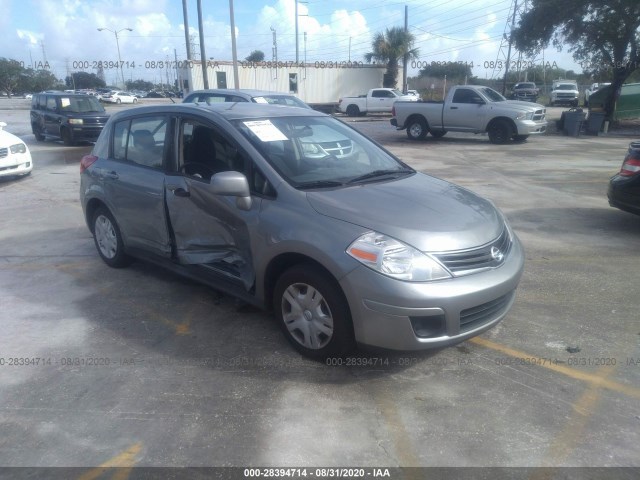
(497, 254)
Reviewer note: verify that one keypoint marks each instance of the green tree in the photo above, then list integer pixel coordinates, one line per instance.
(389, 47)
(38, 80)
(255, 56)
(139, 85)
(11, 74)
(453, 71)
(602, 34)
(79, 80)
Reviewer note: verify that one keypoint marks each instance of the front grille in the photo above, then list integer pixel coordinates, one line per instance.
(466, 262)
(476, 316)
(538, 115)
(4, 152)
(565, 95)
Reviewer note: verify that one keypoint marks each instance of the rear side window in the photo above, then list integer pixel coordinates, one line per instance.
(141, 141)
(51, 103)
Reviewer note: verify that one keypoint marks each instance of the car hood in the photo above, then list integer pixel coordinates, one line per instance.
(7, 139)
(519, 105)
(430, 214)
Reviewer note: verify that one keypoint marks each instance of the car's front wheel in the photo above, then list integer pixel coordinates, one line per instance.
(67, 139)
(313, 313)
(108, 239)
(500, 132)
(135, 100)
(118, 101)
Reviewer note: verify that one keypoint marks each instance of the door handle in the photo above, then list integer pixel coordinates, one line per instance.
(112, 175)
(454, 108)
(178, 191)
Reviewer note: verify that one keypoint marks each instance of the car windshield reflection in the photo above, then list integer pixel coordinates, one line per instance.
(319, 152)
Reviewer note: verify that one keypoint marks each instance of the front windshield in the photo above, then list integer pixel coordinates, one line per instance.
(492, 95)
(526, 85)
(288, 100)
(84, 104)
(318, 152)
(566, 86)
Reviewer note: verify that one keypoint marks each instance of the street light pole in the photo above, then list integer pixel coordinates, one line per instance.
(116, 32)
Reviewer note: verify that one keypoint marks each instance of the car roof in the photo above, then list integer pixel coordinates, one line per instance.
(226, 110)
(242, 91)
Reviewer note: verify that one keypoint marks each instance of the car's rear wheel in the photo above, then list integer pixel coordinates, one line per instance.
(353, 110)
(37, 132)
(500, 132)
(108, 239)
(135, 100)
(66, 137)
(313, 312)
(417, 128)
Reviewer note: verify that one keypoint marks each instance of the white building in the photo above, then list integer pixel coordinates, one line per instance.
(318, 84)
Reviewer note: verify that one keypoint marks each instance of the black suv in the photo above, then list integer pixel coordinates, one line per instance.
(71, 117)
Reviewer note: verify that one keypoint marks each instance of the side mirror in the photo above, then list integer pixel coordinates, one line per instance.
(232, 184)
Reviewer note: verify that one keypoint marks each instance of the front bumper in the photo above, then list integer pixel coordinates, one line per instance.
(531, 127)
(16, 164)
(399, 315)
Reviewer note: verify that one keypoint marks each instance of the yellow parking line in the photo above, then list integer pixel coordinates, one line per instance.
(596, 380)
(123, 462)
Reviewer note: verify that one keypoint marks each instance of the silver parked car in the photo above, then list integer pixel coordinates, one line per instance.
(294, 211)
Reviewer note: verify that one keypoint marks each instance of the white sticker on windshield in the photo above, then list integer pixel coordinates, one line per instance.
(260, 100)
(65, 102)
(265, 130)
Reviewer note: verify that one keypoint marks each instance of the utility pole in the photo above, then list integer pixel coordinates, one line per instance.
(203, 57)
(186, 29)
(236, 81)
(405, 59)
(296, 2)
(506, 68)
(274, 50)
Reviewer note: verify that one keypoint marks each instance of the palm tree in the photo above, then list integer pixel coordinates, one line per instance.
(389, 47)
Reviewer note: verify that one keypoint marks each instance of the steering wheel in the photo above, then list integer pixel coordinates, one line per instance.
(197, 170)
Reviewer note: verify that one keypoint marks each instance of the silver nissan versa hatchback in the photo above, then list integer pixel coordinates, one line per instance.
(294, 211)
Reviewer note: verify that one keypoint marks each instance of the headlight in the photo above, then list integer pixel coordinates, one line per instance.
(18, 148)
(525, 116)
(395, 259)
(75, 121)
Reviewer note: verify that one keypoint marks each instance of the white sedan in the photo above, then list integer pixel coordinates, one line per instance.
(120, 97)
(15, 158)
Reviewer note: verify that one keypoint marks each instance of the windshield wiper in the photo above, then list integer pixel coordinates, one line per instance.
(319, 184)
(380, 173)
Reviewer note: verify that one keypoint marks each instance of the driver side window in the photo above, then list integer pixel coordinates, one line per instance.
(204, 151)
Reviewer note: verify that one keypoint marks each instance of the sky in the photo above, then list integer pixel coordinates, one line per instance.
(65, 32)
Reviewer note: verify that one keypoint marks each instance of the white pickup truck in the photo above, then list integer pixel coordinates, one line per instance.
(472, 109)
(377, 100)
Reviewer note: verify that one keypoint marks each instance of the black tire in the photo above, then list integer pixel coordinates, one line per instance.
(37, 132)
(417, 128)
(353, 110)
(520, 138)
(135, 100)
(66, 137)
(112, 253)
(326, 328)
(118, 101)
(500, 132)
(438, 133)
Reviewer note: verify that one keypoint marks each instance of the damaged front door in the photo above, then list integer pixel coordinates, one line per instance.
(209, 228)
